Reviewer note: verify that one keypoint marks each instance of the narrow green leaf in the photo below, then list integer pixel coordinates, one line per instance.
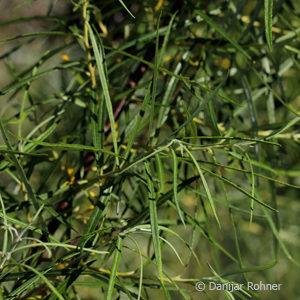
(157, 61)
(271, 109)
(250, 269)
(154, 225)
(161, 200)
(276, 95)
(249, 172)
(123, 4)
(226, 292)
(278, 238)
(239, 189)
(165, 103)
(252, 187)
(149, 64)
(223, 33)
(170, 73)
(74, 147)
(159, 55)
(292, 49)
(208, 236)
(144, 157)
(33, 34)
(161, 173)
(192, 127)
(47, 282)
(60, 244)
(19, 152)
(200, 107)
(93, 222)
(27, 226)
(268, 21)
(173, 248)
(175, 183)
(22, 174)
(141, 268)
(282, 129)
(213, 117)
(97, 124)
(99, 56)
(138, 122)
(44, 135)
(234, 229)
(23, 82)
(166, 39)
(115, 267)
(31, 18)
(23, 287)
(5, 235)
(211, 202)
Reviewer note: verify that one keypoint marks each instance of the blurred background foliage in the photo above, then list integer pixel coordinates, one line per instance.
(245, 138)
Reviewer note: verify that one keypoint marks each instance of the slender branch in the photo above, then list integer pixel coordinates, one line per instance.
(86, 42)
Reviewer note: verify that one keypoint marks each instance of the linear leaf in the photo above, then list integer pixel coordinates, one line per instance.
(27, 80)
(175, 183)
(33, 34)
(268, 21)
(154, 225)
(115, 267)
(74, 147)
(278, 238)
(23, 176)
(138, 122)
(157, 62)
(123, 4)
(99, 56)
(223, 33)
(211, 202)
(47, 282)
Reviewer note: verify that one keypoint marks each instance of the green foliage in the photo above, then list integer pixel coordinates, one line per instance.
(268, 21)
(147, 146)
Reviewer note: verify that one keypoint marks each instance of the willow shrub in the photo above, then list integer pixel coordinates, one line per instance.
(148, 146)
